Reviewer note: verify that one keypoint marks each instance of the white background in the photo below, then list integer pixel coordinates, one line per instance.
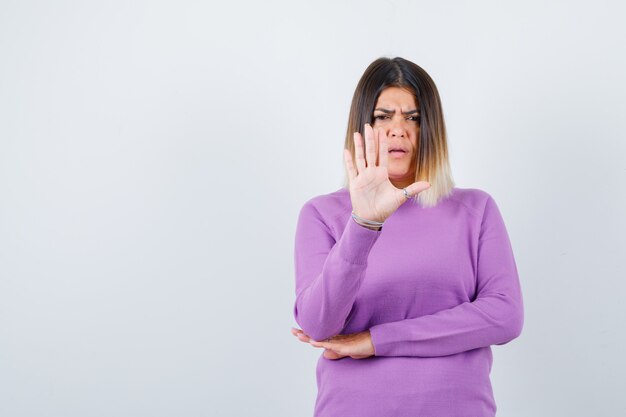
(154, 156)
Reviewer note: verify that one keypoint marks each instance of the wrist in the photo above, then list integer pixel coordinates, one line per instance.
(368, 222)
(368, 226)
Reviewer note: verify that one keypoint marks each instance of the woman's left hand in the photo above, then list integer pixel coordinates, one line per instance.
(356, 345)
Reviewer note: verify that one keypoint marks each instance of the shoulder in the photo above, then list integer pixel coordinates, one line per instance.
(474, 200)
(331, 204)
(326, 211)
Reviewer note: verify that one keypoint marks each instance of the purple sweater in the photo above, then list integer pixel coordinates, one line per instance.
(436, 287)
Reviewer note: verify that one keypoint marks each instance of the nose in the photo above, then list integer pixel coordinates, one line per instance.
(396, 129)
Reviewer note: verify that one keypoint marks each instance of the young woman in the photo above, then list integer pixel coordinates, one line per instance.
(402, 278)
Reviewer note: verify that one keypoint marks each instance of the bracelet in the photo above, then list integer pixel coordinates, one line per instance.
(375, 228)
(367, 222)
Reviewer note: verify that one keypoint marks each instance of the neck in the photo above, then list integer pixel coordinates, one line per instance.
(401, 183)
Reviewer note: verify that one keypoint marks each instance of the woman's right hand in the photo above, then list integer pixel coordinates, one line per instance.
(373, 195)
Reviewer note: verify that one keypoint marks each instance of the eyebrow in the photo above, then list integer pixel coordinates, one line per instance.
(386, 111)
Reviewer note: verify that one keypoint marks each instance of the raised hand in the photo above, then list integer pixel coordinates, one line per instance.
(373, 195)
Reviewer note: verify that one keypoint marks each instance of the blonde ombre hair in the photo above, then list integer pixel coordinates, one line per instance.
(432, 149)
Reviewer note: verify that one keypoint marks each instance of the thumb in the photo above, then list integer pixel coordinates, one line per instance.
(331, 354)
(417, 187)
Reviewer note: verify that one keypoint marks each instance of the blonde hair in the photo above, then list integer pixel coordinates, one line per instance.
(431, 160)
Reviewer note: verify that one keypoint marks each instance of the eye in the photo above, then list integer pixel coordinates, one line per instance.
(414, 118)
(381, 117)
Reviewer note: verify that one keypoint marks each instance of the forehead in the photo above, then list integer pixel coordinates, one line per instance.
(393, 97)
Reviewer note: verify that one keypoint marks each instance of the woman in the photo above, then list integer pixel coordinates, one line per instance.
(402, 278)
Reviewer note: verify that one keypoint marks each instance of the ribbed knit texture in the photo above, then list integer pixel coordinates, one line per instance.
(436, 288)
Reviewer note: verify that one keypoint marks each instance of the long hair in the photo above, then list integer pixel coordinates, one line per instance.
(431, 159)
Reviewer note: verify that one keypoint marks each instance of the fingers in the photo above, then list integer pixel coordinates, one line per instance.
(383, 149)
(358, 152)
(303, 338)
(331, 354)
(365, 151)
(300, 335)
(349, 165)
(370, 146)
(331, 350)
(417, 187)
(321, 344)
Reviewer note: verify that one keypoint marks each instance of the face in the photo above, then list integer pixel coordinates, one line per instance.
(397, 115)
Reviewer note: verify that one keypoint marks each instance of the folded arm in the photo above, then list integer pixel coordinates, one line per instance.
(495, 316)
(328, 272)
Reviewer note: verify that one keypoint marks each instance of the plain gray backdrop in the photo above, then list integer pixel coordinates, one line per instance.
(154, 157)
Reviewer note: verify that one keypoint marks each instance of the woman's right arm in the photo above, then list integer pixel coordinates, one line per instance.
(328, 272)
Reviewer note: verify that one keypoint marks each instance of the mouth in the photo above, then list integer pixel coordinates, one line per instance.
(397, 152)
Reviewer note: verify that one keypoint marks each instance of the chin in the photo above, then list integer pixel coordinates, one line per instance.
(395, 175)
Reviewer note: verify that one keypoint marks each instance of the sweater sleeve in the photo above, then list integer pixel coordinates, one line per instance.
(495, 316)
(328, 272)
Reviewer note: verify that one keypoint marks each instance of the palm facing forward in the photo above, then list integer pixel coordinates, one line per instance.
(373, 195)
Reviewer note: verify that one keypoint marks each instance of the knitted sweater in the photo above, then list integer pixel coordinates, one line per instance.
(436, 287)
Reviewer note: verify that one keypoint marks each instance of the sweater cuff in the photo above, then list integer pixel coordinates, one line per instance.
(381, 340)
(356, 242)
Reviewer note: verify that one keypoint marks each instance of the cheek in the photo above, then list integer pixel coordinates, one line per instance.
(377, 124)
(415, 137)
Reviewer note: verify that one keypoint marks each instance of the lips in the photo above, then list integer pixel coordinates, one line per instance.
(397, 150)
